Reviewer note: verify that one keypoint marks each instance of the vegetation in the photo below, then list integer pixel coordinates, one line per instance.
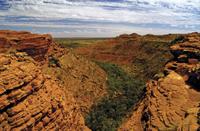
(53, 62)
(152, 58)
(123, 93)
(180, 38)
(77, 42)
(125, 90)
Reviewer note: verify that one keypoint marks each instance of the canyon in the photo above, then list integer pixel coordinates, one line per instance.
(44, 86)
(172, 102)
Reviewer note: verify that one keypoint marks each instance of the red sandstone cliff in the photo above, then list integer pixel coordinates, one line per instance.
(78, 75)
(30, 100)
(172, 102)
(34, 45)
(52, 91)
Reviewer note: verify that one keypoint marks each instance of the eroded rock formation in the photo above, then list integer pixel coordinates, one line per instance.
(51, 91)
(31, 100)
(172, 102)
(34, 45)
(124, 49)
(83, 78)
(117, 50)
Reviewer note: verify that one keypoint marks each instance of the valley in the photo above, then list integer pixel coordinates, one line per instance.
(130, 82)
(99, 65)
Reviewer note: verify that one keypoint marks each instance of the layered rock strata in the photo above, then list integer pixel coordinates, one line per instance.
(172, 102)
(30, 100)
(34, 45)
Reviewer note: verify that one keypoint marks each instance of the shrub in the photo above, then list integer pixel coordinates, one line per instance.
(53, 62)
(180, 38)
(152, 58)
(124, 91)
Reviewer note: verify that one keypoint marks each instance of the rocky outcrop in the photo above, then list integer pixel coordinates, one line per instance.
(172, 102)
(142, 56)
(128, 36)
(34, 45)
(118, 50)
(124, 49)
(188, 46)
(30, 100)
(187, 59)
(83, 78)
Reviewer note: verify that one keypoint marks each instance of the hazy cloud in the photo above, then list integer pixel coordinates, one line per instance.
(153, 15)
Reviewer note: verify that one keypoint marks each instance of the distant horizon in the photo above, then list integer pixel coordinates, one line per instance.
(97, 37)
(100, 18)
(127, 34)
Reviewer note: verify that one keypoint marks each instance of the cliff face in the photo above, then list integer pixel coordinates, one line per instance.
(31, 100)
(117, 50)
(142, 56)
(51, 91)
(56, 88)
(33, 44)
(124, 49)
(83, 78)
(172, 102)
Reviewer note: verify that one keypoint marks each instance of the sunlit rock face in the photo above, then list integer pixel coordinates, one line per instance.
(43, 86)
(30, 100)
(172, 102)
(34, 45)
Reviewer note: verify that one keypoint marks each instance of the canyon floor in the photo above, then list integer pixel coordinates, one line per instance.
(127, 83)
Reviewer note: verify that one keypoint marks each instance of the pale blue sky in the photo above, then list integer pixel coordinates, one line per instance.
(100, 18)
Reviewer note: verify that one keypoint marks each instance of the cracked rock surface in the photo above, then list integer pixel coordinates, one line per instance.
(172, 102)
(30, 100)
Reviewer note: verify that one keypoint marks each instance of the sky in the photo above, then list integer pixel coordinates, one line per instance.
(100, 18)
